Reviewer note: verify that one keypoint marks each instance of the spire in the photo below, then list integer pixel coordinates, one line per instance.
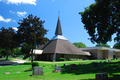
(58, 28)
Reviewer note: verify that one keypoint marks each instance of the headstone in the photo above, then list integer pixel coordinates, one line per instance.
(65, 64)
(7, 73)
(18, 72)
(37, 70)
(57, 69)
(101, 76)
(73, 67)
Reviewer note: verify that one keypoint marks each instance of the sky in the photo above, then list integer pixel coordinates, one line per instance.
(11, 11)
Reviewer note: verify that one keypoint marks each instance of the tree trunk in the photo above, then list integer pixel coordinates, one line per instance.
(7, 54)
(32, 55)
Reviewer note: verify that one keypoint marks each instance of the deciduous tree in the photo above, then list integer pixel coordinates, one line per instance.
(102, 20)
(103, 45)
(79, 44)
(32, 32)
(117, 45)
(8, 40)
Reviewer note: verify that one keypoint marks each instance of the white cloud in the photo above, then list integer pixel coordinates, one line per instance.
(14, 20)
(12, 12)
(5, 20)
(15, 28)
(33, 2)
(21, 14)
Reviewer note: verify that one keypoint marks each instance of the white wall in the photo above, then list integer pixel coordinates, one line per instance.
(110, 54)
(100, 54)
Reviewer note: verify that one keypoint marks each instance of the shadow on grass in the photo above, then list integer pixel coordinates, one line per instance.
(115, 77)
(109, 67)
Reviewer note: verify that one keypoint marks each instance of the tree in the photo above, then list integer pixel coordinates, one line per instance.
(32, 32)
(117, 45)
(16, 52)
(79, 44)
(25, 49)
(8, 40)
(104, 45)
(102, 20)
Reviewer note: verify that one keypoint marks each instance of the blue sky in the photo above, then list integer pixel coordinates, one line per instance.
(11, 11)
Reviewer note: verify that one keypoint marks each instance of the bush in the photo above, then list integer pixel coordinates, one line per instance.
(62, 59)
(35, 64)
(114, 57)
(28, 69)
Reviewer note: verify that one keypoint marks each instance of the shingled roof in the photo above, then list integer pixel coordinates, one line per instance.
(60, 45)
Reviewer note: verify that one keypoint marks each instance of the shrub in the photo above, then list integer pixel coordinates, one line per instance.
(114, 57)
(62, 59)
(28, 69)
(35, 64)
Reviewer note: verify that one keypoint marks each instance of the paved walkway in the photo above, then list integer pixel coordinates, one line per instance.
(7, 63)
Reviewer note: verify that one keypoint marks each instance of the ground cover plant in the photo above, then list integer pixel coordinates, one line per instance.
(85, 70)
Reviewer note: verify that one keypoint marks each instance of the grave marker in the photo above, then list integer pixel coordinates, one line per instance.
(57, 69)
(101, 76)
(7, 73)
(37, 70)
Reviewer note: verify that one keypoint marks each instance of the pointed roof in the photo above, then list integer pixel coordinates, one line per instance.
(60, 45)
(58, 29)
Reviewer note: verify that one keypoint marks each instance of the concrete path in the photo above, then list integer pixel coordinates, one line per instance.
(7, 63)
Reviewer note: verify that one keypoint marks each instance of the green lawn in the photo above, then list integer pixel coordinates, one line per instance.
(86, 71)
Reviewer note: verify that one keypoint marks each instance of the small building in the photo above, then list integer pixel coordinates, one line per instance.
(59, 47)
(102, 52)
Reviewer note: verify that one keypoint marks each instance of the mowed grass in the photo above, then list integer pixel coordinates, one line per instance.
(85, 71)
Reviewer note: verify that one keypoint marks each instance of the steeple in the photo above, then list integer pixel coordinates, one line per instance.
(58, 28)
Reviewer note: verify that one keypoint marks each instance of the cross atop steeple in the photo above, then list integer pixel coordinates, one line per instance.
(58, 28)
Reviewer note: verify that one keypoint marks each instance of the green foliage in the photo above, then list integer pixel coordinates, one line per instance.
(8, 39)
(101, 20)
(25, 49)
(16, 51)
(32, 32)
(104, 45)
(28, 69)
(62, 59)
(35, 64)
(117, 45)
(114, 57)
(79, 44)
(3, 52)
